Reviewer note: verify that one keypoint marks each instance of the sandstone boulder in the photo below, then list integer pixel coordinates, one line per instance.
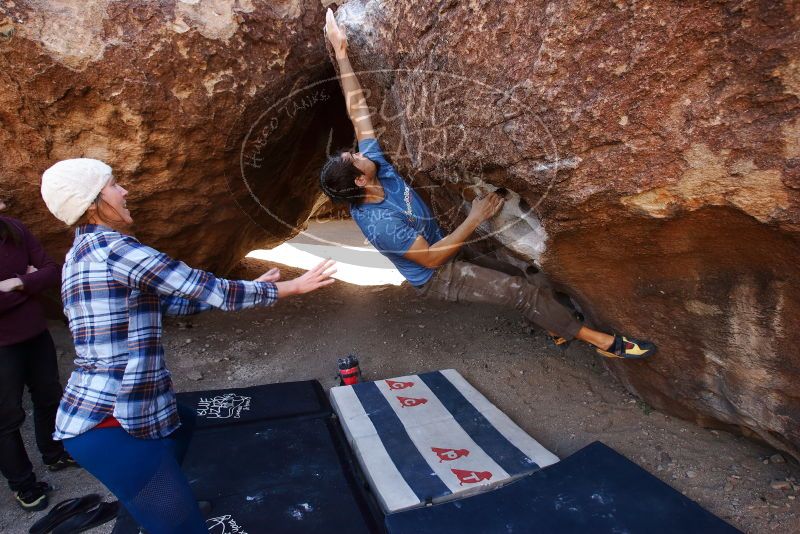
(650, 152)
(654, 151)
(195, 104)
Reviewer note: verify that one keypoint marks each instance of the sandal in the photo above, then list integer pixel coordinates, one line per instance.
(96, 515)
(628, 348)
(62, 511)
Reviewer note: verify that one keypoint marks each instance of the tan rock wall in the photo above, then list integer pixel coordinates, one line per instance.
(657, 144)
(167, 94)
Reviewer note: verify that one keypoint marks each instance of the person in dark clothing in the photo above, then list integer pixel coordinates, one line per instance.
(27, 357)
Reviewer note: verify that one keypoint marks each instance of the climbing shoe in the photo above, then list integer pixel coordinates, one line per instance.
(64, 461)
(34, 498)
(628, 348)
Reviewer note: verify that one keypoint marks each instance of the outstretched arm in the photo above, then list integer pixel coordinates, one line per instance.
(138, 266)
(317, 277)
(436, 255)
(176, 306)
(354, 97)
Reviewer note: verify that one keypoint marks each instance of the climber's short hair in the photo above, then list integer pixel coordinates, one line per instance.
(338, 179)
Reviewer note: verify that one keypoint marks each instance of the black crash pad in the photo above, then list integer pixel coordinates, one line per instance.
(595, 490)
(222, 407)
(284, 476)
(272, 459)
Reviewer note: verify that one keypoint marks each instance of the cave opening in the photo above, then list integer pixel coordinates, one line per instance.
(280, 149)
(340, 239)
(275, 155)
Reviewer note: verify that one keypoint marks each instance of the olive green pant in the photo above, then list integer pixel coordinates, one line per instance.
(485, 280)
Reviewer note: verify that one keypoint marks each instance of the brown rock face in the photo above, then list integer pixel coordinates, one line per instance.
(650, 153)
(657, 144)
(194, 103)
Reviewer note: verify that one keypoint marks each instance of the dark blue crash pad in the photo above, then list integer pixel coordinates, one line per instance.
(272, 459)
(595, 490)
(284, 476)
(222, 407)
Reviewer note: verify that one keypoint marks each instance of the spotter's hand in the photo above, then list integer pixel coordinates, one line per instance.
(273, 275)
(319, 276)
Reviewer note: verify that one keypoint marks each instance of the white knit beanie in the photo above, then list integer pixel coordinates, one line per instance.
(70, 186)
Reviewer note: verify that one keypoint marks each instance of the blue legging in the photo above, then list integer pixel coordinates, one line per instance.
(145, 475)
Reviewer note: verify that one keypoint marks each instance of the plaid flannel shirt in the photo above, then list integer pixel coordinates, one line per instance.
(115, 291)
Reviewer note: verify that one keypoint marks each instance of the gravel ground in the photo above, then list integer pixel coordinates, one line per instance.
(565, 400)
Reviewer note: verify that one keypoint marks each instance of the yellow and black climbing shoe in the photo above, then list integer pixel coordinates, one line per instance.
(628, 348)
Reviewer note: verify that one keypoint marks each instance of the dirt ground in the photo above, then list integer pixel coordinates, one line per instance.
(564, 400)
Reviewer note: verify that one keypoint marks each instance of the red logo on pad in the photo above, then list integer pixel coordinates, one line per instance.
(398, 385)
(470, 477)
(408, 401)
(447, 455)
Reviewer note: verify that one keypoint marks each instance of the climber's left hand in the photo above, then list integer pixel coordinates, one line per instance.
(335, 35)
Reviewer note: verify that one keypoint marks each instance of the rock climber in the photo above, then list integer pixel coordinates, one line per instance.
(399, 224)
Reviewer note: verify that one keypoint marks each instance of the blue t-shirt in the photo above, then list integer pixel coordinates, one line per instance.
(393, 224)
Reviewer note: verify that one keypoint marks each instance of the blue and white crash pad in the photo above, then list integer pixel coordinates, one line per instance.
(432, 438)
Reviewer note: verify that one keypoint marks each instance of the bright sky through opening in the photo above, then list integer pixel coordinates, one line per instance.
(357, 262)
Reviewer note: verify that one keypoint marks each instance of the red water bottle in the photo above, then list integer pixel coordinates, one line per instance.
(349, 372)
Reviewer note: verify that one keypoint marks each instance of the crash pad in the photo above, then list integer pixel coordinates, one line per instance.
(222, 407)
(272, 458)
(432, 437)
(594, 490)
(279, 476)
